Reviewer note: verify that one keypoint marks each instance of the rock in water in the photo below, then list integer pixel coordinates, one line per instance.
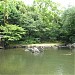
(36, 50)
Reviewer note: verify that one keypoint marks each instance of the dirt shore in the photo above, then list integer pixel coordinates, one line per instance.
(45, 44)
(37, 45)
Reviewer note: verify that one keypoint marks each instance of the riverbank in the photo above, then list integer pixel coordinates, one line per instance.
(37, 45)
(1, 47)
(45, 45)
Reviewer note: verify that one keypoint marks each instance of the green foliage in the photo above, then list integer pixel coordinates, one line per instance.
(31, 40)
(68, 28)
(50, 16)
(12, 32)
(36, 23)
(1, 13)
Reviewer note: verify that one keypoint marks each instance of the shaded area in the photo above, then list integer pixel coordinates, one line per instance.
(1, 42)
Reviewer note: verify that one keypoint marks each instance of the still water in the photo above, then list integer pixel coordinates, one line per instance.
(49, 62)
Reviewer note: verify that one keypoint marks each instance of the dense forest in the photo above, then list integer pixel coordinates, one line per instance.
(41, 22)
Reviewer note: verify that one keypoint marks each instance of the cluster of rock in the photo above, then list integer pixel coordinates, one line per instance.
(35, 49)
(70, 46)
(41, 48)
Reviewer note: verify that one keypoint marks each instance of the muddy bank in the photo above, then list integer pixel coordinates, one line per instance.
(36, 45)
(44, 45)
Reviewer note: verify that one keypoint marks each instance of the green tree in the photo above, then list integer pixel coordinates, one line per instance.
(11, 33)
(9, 16)
(41, 20)
(50, 15)
(68, 28)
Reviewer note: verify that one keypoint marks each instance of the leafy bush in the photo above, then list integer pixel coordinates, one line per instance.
(12, 32)
(31, 40)
(68, 27)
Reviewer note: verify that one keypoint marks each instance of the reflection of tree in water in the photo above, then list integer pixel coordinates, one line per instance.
(38, 54)
(59, 70)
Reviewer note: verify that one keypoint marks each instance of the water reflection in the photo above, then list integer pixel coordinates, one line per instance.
(59, 70)
(38, 54)
(48, 62)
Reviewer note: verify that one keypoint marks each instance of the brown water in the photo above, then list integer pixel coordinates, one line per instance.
(49, 62)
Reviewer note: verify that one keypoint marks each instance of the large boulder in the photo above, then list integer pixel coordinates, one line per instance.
(73, 45)
(34, 50)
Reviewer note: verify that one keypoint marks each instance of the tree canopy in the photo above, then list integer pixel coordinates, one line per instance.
(43, 21)
(68, 21)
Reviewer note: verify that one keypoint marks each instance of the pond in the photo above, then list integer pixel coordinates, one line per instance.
(49, 62)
